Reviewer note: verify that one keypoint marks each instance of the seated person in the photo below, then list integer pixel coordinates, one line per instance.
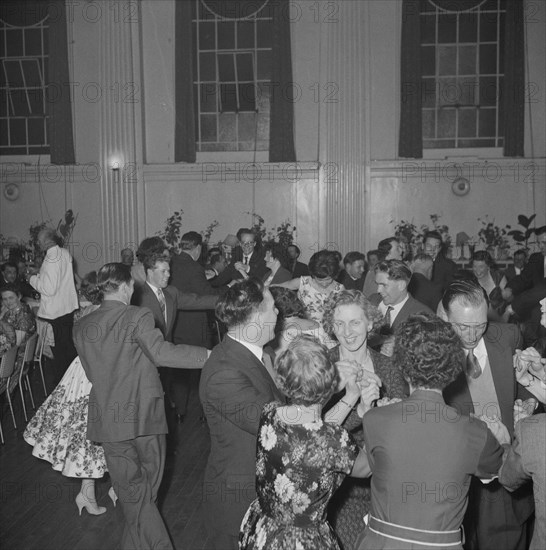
(421, 286)
(7, 337)
(520, 261)
(14, 272)
(276, 259)
(492, 281)
(17, 313)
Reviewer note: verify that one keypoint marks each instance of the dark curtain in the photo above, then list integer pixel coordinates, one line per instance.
(184, 128)
(514, 80)
(59, 106)
(281, 126)
(410, 143)
(58, 103)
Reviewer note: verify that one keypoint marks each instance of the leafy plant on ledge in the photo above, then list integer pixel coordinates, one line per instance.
(492, 235)
(522, 237)
(283, 233)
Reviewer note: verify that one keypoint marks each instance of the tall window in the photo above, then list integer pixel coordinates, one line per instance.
(232, 74)
(462, 67)
(23, 117)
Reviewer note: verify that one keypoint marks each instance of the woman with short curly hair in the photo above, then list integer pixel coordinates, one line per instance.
(422, 452)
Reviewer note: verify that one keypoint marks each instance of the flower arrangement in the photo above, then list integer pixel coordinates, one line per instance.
(413, 235)
(283, 233)
(491, 234)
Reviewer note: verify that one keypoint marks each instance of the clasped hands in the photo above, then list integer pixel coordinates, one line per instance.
(530, 369)
(358, 384)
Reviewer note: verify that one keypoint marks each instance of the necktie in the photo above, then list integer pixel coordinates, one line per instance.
(472, 366)
(245, 260)
(162, 303)
(387, 318)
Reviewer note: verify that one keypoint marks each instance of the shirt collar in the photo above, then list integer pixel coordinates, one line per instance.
(254, 349)
(153, 287)
(395, 309)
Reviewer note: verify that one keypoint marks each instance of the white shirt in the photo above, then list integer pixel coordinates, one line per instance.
(253, 348)
(395, 308)
(55, 283)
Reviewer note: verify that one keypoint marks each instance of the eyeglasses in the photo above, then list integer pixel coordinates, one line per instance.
(248, 243)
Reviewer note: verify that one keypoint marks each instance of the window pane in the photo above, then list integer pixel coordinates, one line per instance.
(264, 34)
(207, 39)
(468, 27)
(467, 123)
(32, 74)
(36, 134)
(468, 91)
(228, 97)
(17, 129)
(428, 123)
(264, 65)
(488, 59)
(19, 105)
(428, 29)
(226, 68)
(447, 28)
(208, 127)
(488, 90)
(33, 42)
(247, 97)
(447, 60)
(467, 60)
(446, 123)
(14, 39)
(448, 91)
(226, 35)
(488, 27)
(207, 67)
(227, 122)
(208, 98)
(245, 67)
(245, 34)
(14, 74)
(487, 122)
(36, 101)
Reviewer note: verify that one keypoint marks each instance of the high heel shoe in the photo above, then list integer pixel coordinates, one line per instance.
(92, 507)
(112, 495)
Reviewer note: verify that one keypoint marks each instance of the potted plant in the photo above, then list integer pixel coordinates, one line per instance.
(494, 237)
(522, 237)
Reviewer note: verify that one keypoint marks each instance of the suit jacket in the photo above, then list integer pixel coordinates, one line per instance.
(120, 348)
(510, 273)
(175, 300)
(282, 276)
(299, 269)
(443, 270)
(234, 387)
(258, 269)
(532, 274)
(414, 450)
(526, 460)
(425, 291)
(192, 327)
(411, 307)
(501, 341)
(349, 283)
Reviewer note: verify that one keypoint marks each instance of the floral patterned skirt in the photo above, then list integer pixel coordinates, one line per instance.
(58, 430)
(259, 531)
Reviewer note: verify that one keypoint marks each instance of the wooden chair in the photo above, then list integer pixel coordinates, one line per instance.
(28, 360)
(7, 366)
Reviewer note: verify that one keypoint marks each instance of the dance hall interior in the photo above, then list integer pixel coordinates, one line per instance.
(272, 274)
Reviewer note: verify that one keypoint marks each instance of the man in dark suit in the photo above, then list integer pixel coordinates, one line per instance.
(352, 277)
(393, 301)
(443, 268)
(192, 327)
(120, 350)
(157, 269)
(296, 268)
(494, 519)
(528, 288)
(520, 261)
(235, 385)
(247, 259)
(421, 287)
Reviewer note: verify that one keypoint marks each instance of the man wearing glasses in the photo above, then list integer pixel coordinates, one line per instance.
(487, 388)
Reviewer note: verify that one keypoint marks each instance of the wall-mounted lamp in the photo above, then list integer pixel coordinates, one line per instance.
(115, 165)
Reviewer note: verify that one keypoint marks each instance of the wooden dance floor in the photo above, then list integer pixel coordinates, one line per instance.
(37, 508)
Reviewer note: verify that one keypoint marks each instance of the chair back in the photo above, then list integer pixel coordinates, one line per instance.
(7, 365)
(30, 348)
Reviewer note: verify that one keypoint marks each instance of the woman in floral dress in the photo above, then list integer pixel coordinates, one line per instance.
(314, 290)
(301, 459)
(58, 433)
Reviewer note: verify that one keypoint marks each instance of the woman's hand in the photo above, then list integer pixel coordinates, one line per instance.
(348, 372)
(523, 409)
(388, 401)
(368, 394)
